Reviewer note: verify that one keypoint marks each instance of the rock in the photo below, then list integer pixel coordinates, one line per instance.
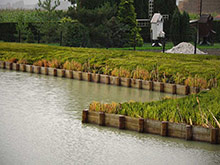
(184, 48)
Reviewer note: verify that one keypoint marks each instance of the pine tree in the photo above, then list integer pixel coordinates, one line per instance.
(127, 16)
(185, 27)
(175, 28)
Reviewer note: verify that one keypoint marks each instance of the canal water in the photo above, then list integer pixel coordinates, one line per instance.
(40, 123)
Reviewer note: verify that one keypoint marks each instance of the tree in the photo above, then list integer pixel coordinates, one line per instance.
(180, 28)
(49, 5)
(127, 16)
(74, 33)
(141, 8)
(175, 29)
(185, 27)
(24, 33)
(48, 21)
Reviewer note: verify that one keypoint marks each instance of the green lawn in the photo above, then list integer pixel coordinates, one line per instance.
(169, 45)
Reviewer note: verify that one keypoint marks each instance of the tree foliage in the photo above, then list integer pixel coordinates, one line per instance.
(74, 33)
(180, 28)
(48, 21)
(127, 16)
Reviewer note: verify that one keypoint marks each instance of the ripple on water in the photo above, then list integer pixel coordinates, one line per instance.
(40, 123)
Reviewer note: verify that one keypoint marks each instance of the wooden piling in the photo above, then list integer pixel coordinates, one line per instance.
(151, 85)
(85, 116)
(97, 78)
(128, 82)
(80, 75)
(102, 118)
(63, 73)
(9, 65)
(89, 76)
(197, 89)
(15, 66)
(121, 122)
(189, 133)
(118, 81)
(164, 128)
(161, 87)
(141, 125)
(140, 84)
(2, 64)
(37, 69)
(174, 89)
(22, 67)
(214, 135)
(55, 72)
(29, 68)
(107, 80)
(187, 90)
(44, 70)
(69, 74)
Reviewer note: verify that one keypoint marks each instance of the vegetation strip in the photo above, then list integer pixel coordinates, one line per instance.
(197, 109)
(100, 78)
(164, 128)
(193, 70)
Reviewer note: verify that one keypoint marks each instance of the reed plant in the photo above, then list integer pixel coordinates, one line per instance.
(197, 109)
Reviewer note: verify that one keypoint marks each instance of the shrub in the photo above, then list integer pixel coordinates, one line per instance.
(74, 34)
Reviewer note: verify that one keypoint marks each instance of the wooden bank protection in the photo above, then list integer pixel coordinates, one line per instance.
(164, 128)
(100, 78)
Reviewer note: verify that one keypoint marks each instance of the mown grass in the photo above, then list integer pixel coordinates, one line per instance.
(169, 45)
(173, 68)
(197, 109)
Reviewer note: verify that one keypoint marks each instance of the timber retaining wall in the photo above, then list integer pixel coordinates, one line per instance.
(106, 79)
(163, 128)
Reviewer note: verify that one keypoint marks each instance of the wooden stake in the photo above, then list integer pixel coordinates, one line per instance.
(121, 122)
(89, 76)
(151, 85)
(214, 135)
(85, 116)
(174, 89)
(164, 128)
(107, 80)
(189, 133)
(128, 82)
(118, 81)
(139, 84)
(161, 87)
(102, 118)
(141, 125)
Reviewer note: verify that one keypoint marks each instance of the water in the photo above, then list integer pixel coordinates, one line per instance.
(40, 123)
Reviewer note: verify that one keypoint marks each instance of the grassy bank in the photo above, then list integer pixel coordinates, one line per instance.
(193, 70)
(169, 45)
(197, 109)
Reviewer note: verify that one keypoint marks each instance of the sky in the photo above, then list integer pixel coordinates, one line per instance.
(25, 1)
